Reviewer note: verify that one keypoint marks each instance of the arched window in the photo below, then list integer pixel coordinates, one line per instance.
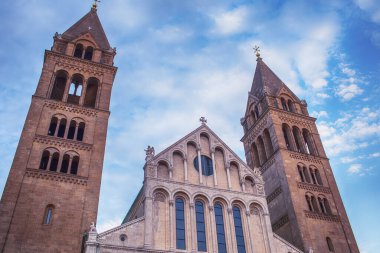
(255, 155)
(59, 85)
(318, 177)
(321, 205)
(65, 163)
(44, 160)
(308, 142)
(268, 142)
(53, 126)
(62, 128)
(91, 92)
(207, 167)
(253, 117)
(314, 203)
(48, 216)
(80, 133)
(75, 90)
(180, 223)
(313, 178)
(78, 51)
(54, 162)
(291, 106)
(220, 233)
(300, 172)
(201, 228)
(286, 131)
(284, 105)
(309, 204)
(297, 138)
(306, 174)
(257, 114)
(238, 230)
(330, 245)
(326, 206)
(261, 149)
(74, 165)
(88, 53)
(71, 133)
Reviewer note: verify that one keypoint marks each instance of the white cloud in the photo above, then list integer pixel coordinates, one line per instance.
(232, 21)
(347, 159)
(373, 155)
(355, 169)
(372, 7)
(347, 92)
(101, 227)
(320, 114)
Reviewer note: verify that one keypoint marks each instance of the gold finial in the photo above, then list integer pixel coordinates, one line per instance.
(95, 4)
(257, 51)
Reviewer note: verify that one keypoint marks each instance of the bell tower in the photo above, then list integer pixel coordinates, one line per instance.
(52, 191)
(282, 140)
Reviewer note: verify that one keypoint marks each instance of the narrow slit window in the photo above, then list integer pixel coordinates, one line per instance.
(180, 224)
(48, 215)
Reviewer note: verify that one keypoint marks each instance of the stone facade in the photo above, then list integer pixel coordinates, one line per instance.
(52, 192)
(151, 226)
(282, 139)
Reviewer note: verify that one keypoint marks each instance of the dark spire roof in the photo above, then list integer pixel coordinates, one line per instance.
(265, 81)
(89, 23)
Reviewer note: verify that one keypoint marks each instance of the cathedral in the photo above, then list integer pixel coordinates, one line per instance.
(197, 194)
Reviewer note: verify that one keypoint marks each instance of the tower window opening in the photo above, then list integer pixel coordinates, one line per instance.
(59, 85)
(48, 217)
(53, 126)
(257, 114)
(62, 128)
(91, 92)
(330, 245)
(72, 127)
(80, 133)
(74, 165)
(65, 163)
(78, 51)
(75, 90)
(44, 160)
(88, 53)
(312, 173)
(291, 106)
(284, 105)
(54, 162)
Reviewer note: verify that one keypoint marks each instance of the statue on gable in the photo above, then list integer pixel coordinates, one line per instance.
(149, 152)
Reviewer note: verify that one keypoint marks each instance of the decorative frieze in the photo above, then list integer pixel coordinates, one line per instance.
(313, 187)
(280, 222)
(256, 130)
(71, 108)
(274, 194)
(304, 157)
(56, 176)
(267, 164)
(320, 216)
(293, 119)
(63, 143)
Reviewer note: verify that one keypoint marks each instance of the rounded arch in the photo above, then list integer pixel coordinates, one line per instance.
(158, 188)
(59, 116)
(218, 198)
(72, 153)
(78, 119)
(90, 98)
(221, 149)
(287, 133)
(78, 52)
(258, 204)
(309, 143)
(179, 152)
(200, 196)
(59, 86)
(160, 194)
(181, 193)
(236, 201)
(52, 149)
(89, 51)
(298, 139)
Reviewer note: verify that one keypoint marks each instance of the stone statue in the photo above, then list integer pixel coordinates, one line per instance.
(92, 227)
(149, 152)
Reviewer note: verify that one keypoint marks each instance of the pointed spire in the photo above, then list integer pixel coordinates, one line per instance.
(265, 80)
(90, 23)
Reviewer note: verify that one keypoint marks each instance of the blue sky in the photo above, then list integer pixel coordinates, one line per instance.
(179, 60)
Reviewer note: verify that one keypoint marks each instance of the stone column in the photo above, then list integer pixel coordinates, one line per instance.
(76, 131)
(171, 224)
(247, 227)
(228, 177)
(213, 230)
(67, 88)
(193, 243)
(200, 166)
(231, 232)
(185, 166)
(70, 162)
(57, 128)
(84, 89)
(242, 183)
(91, 244)
(49, 162)
(171, 172)
(214, 168)
(148, 222)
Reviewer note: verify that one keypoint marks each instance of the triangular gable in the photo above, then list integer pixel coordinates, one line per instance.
(90, 23)
(289, 92)
(230, 155)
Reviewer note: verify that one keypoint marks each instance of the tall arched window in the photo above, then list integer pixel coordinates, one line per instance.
(330, 245)
(80, 133)
(255, 155)
(44, 160)
(238, 230)
(297, 139)
(300, 172)
(286, 131)
(53, 126)
(62, 128)
(291, 105)
(180, 223)
(306, 174)
(59, 85)
(220, 233)
(284, 105)
(88, 53)
(268, 142)
(313, 177)
(78, 51)
(91, 92)
(48, 216)
(257, 114)
(201, 228)
(327, 206)
(74, 165)
(54, 162)
(309, 204)
(65, 163)
(315, 205)
(308, 142)
(72, 127)
(318, 177)
(261, 149)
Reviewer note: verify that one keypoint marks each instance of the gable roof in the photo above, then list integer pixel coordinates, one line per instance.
(89, 23)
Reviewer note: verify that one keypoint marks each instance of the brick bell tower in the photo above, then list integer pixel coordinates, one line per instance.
(283, 141)
(52, 192)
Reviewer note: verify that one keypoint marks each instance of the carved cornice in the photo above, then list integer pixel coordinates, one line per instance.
(280, 222)
(70, 108)
(320, 216)
(56, 176)
(64, 143)
(305, 157)
(313, 187)
(274, 194)
(80, 65)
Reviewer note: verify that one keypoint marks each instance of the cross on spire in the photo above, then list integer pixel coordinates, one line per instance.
(203, 120)
(257, 51)
(95, 4)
